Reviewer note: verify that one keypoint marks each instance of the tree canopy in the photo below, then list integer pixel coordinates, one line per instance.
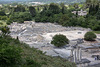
(2, 13)
(90, 36)
(32, 11)
(9, 55)
(59, 40)
(5, 30)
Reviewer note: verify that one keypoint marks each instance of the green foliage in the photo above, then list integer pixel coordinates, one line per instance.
(2, 13)
(9, 55)
(63, 8)
(20, 20)
(93, 23)
(93, 6)
(37, 19)
(3, 17)
(98, 14)
(54, 13)
(19, 8)
(91, 2)
(32, 11)
(97, 32)
(9, 21)
(51, 13)
(32, 63)
(5, 30)
(64, 19)
(93, 9)
(90, 36)
(28, 57)
(3, 24)
(76, 5)
(54, 8)
(20, 17)
(56, 17)
(59, 40)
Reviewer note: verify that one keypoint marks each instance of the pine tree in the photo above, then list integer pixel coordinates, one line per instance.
(62, 8)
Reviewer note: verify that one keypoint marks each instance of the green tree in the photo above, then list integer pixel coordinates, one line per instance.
(3, 17)
(81, 22)
(93, 9)
(20, 17)
(32, 63)
(64, 19)
(91, 21)
(60, 40)
(93, 6)
(9, 55)
(2, 13)
(46, 13)
(30, 57)
(19, 8)
(90, 36)
(96, 27)
(25, 16)
(5, 30)
(37, 19)
(63, 8)
(98, 14)
(91, 2)
(88, 3)
(54, 8)
(20, 20)
(32, 11)
(56, 17)
(76, 5)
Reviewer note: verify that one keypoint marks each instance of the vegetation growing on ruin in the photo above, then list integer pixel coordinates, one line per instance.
(90, 36)
(59, 40)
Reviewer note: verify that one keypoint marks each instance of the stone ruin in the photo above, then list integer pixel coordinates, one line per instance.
(32, 33)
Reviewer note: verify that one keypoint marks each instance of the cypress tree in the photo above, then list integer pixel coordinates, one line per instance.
(32, 11)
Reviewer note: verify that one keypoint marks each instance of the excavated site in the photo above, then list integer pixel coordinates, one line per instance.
(39, 35)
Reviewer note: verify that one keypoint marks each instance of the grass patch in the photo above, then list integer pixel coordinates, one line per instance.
(97, 32)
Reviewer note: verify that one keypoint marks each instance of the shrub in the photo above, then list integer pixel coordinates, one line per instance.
(32, 63)
(3, 17)
(59, 40)
(20, 20)
(2, 13)
(9, 55)
(5, 30)
(20, 17)
(90, 36)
